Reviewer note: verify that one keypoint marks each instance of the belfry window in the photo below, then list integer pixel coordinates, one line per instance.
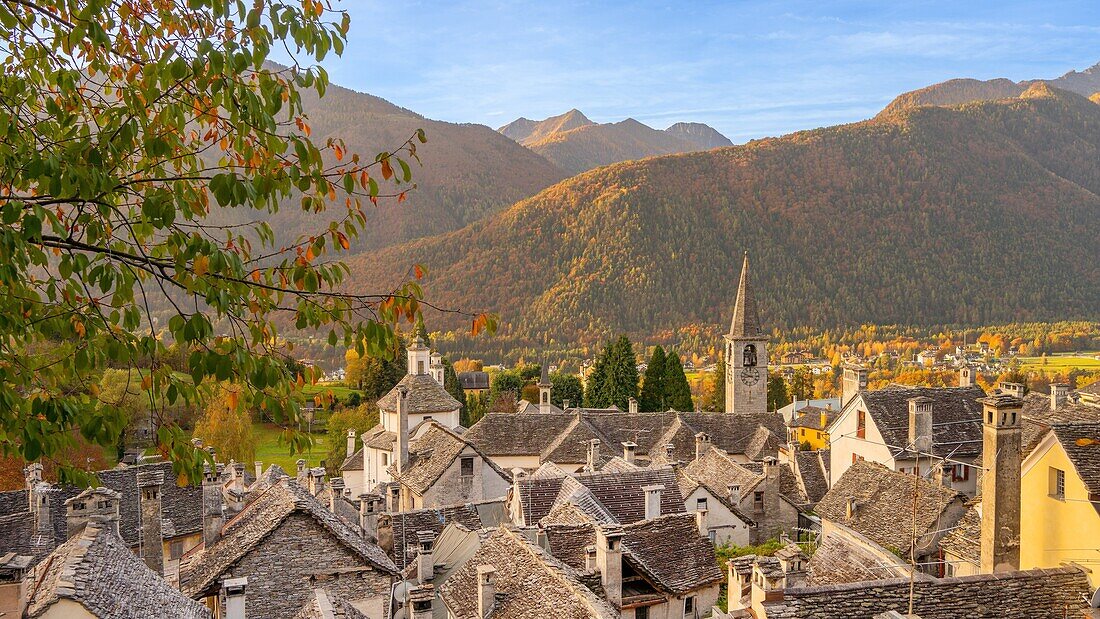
(749, 356)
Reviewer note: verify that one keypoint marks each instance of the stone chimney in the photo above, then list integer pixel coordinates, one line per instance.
(259, 468)
(670, 451)
(920, 424)
(701, 522)
(233, 591)
(702, 444)
(652, 501)
(213, 515)
(565, 404)
(632, 406)
(734, 494)
(420, 601)
(609, 561)
(1013, 389)
(402, 428)
(590, 558)
(544, 389)
(300, 470)
(1059, 393)
(855, 380)
(370, 505)
(395, 498)
(593, 454)
(152, 541)
(850, 507)
(966, 376)
(38, 498)
(425, 565)
(437, 367)
(336, 490)
(94, 505)
(351, 442)
(1000, 533)
(486, 590)
(629, 449)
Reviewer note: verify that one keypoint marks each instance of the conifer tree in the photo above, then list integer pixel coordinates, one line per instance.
(595, 393)
(622, 374)
(677, 390)
(653, 384)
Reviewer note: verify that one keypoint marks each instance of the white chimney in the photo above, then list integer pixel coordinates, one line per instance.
(565, 404)
(850, 508)
(370, 505)
(609, 561)
(652, 501)
(1013, 389)
(590, 558)
(425, 566)
(402, 428)
(734, 494)
(1059, 393)
(701, 522)
(420, 599)
(486, 590)
(259, 468)
(351, 443)
(632, 405)
(234, 591)
(855, 380)
(920, 424)
(670, 451)
(629, 449)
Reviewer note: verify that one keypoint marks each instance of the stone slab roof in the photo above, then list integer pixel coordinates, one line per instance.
(619, 493)
(1082, 444)
(810, 417)
(1038, 417)
(956, 417)
(668, 551)
(528, 581)
(965, 540)
(474, 380)
(563, 437)
(202, 567)
(425, 396)
(811, 472)
(838, 560)
(431, 454)
(325, 605)
(884, 505)
(406, 525)
(1031, 594)
(98, 570)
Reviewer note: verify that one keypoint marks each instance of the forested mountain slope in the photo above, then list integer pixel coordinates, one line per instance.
(978, 213)
(469, 170)
(959, 91)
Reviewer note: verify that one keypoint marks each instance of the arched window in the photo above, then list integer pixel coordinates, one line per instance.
(749, 356)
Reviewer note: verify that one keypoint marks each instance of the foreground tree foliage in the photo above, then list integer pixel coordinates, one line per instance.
(142, 145)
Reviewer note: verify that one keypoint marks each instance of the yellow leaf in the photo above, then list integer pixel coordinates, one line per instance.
(201, 265)
(233, 399)
(146, 382)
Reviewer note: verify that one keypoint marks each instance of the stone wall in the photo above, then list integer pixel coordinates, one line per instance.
(298, 555)
(452, 488)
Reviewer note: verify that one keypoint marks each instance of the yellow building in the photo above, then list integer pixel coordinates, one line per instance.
(809, 427)
(1060, 500)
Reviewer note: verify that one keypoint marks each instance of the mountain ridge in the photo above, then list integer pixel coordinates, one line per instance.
(576, 144)
(997, 201)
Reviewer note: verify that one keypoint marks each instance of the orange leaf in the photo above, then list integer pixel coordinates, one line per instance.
(146, 382)
(418, 271)
(387, 171)
(343, 241)
(234, 399)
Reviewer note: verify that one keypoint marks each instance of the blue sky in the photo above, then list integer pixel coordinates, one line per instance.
(750, 69)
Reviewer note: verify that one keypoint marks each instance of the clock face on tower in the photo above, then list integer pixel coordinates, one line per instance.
(750, 376)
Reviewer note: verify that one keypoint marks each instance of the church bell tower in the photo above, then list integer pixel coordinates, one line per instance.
(746, 354)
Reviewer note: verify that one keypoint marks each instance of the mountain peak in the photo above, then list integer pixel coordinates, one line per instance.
(1039, 90)
(702, 135)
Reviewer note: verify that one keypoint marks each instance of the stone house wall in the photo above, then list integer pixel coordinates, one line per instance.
(296, 556)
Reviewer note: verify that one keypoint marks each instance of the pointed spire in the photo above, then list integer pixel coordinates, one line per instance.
(746, 320)
(544, 378)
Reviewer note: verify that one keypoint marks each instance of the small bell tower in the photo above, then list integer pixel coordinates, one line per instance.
(746, 353)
